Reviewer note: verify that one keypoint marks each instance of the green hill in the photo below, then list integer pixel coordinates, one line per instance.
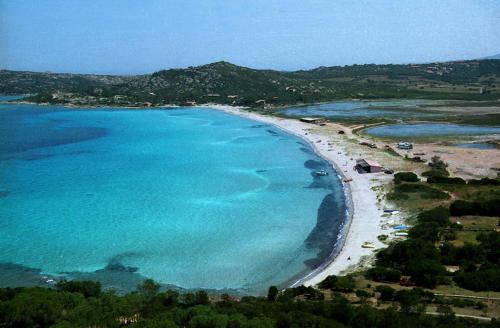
(225, 83)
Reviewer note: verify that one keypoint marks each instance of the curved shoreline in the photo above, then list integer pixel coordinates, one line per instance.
(346, 237)
(346, 250)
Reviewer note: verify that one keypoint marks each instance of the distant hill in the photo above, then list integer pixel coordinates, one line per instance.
(497, 56)
(226, 83)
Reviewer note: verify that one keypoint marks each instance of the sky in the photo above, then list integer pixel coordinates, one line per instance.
(143, 36)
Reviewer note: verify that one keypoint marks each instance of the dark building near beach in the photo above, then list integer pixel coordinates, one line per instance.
(368, 166)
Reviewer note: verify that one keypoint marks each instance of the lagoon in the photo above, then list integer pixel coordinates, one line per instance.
(189, 197)
(396, 109)
(429, 130)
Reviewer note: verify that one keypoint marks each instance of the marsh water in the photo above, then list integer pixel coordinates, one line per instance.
(396, 109)
(430, 130)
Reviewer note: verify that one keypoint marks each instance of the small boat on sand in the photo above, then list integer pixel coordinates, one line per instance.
(367, 244)
(320, 173)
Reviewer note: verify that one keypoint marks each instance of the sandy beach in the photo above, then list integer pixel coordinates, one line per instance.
(365, 218)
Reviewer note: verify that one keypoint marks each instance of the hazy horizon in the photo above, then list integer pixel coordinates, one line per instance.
(128, 38)
(257, 68)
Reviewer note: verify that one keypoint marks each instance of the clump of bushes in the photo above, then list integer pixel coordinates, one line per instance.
(439, 215)
(425, 191)
(308, 293)
(384, 274)
(86, 288)
(488, 279)
(405, 177)
(386, 292)
(438, 168)
(338, 283)
(484, 182)
(485, 208)
(397, 196)
(446, 180)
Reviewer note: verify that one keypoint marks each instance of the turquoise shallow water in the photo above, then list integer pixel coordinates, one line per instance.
(194, 198)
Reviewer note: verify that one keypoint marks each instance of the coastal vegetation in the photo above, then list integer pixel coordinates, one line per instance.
(225, 83)
(71, 305)
(452, 243)
(431, 243)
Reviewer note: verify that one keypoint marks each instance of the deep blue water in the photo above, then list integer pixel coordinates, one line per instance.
(429, 129)
(192, 197)
(346, 109)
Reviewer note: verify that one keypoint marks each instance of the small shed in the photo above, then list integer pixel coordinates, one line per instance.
(313, 120)
(405, 145)
(368, 166)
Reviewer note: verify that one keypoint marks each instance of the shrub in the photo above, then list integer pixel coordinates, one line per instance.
(338, 283)
(272, 293)
(439, 215)
(486, 208)
(386, 292)
(484, 182)
(397, 196)
(435, 173)
(424, 191)
(405, 177)
(437, 164)
(479, 280)
(363, 294)
(409, 301)
(384, 274)
(426, 231)
(86, 288)
(425, 272)
(308, 292)
(446, 180)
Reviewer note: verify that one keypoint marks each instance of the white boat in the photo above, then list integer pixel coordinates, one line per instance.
(321, 173)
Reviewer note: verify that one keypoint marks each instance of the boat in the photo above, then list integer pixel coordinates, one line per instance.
(367, 244)
(321, 173)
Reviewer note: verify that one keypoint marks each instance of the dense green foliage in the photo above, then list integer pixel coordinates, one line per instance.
(484, 182)
(489, 207)
(424, 191)
(41, 307)
(445, 180)
(419, 258)
(338, 283)
(479, 264)
(438, 169)
(405, 177)
(383, 274)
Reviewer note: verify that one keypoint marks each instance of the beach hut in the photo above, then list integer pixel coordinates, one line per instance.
(405, 145)
(313, 120)
(368, 166)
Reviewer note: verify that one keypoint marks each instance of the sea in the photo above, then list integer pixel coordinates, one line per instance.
(191, 198)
